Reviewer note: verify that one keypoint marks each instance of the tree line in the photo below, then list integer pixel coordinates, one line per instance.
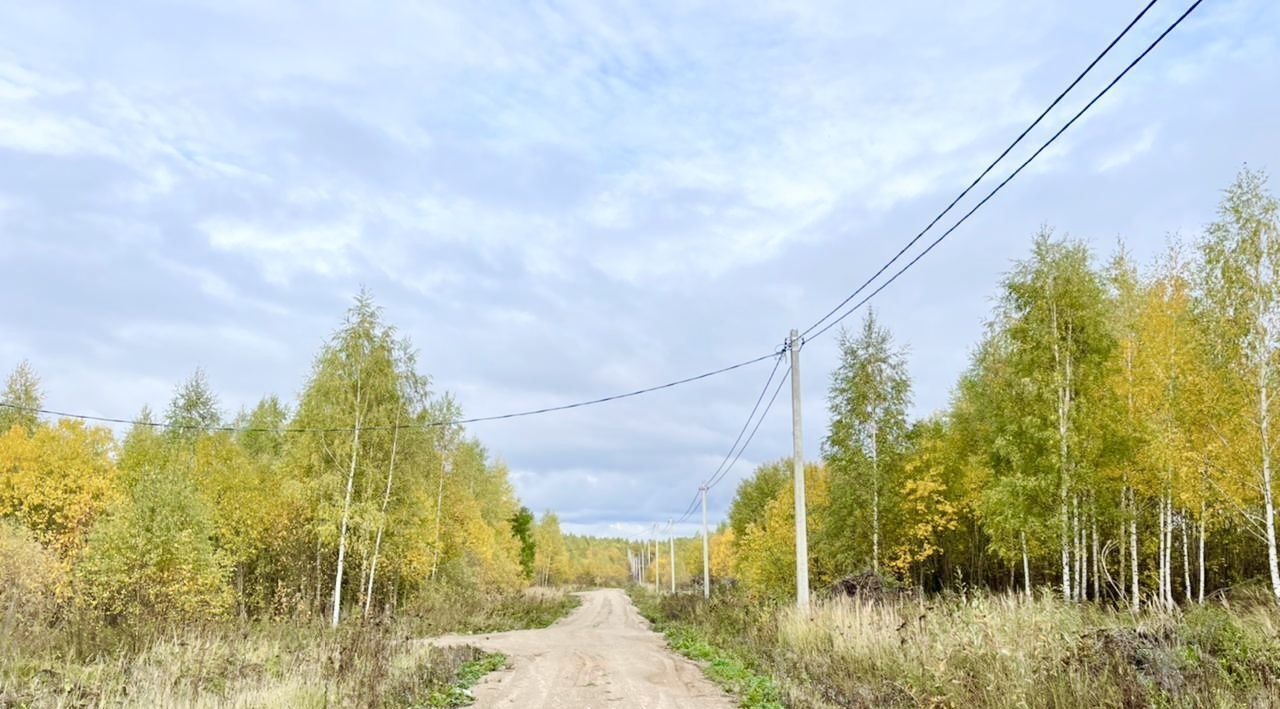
(351, 502)
(1112, 437)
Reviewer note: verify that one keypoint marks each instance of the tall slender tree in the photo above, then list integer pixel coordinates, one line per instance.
(1055, 307)
(864, 449)
(1240, 284)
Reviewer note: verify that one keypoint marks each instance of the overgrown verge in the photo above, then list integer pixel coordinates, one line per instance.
(459, 692)
(984, 651)
(725, 667)
(282, 663)
(454, 611)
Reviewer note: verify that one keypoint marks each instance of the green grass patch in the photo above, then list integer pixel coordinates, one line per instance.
(723, 666)
(458, 694)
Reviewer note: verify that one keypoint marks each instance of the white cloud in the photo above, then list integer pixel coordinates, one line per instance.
(1134, 146)
(205, 337)
(282, 253)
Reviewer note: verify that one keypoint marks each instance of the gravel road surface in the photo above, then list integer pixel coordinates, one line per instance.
(603, 654)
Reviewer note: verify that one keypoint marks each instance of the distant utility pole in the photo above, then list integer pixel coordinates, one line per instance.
(671, 536)
(657, 557)
(706, 556)
(797, 463)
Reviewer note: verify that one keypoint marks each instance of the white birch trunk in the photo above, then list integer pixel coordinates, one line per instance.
(875, 500)
(1263, 357)
(1026, 566)
(382, 522)
(1097, 576)
(1200, 554)
(346, 513)
(1169, 552)
(1123, 538)
(1080, 552)
(316, 602)
(1160, 577)
(1186, 559)
(1064, 403)
(1268, 501)
(1136, 602)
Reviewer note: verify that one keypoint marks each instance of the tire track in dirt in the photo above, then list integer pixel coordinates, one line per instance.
(603, 654)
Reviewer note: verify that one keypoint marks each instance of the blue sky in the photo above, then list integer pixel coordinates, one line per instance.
(557, 201)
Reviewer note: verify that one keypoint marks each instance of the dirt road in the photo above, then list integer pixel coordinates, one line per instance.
(601, 655)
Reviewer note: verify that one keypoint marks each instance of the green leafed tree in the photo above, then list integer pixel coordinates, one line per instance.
(154, 556)
(1055, 308)
(522, 528)
(866, 443)
(755, 492)
(193, 411)
(353, 387)
(1240, 284)
(551, 558)
(21, 397)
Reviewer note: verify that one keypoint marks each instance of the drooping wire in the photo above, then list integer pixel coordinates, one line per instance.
(786, 375)
(1079, 77)
(1013, 174)
(741, 432)
(724, 470)
(427, 424)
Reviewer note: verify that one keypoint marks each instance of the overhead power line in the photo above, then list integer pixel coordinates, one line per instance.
(747, 424)
(1013, 174)
(781, 382)
(1053, 104)
(724, 471)
(428, 424)
(821, 329)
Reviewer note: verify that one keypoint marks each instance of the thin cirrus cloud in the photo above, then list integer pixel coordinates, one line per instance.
(561, 200)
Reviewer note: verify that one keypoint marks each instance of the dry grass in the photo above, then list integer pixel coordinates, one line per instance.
(279, 665)
(294, 663)
(999, 651)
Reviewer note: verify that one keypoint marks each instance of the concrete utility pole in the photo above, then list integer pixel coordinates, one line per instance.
(657, 557)
(706, 555)
(797, 461)
(671, 536)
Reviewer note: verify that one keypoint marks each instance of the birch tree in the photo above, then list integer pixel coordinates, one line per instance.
(1055, 306)
(1241, 289)
(1126, 320)
(352, 387)
(866, 443)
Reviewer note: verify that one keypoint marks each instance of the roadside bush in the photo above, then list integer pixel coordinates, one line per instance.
(31, 579)
(153, 558)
